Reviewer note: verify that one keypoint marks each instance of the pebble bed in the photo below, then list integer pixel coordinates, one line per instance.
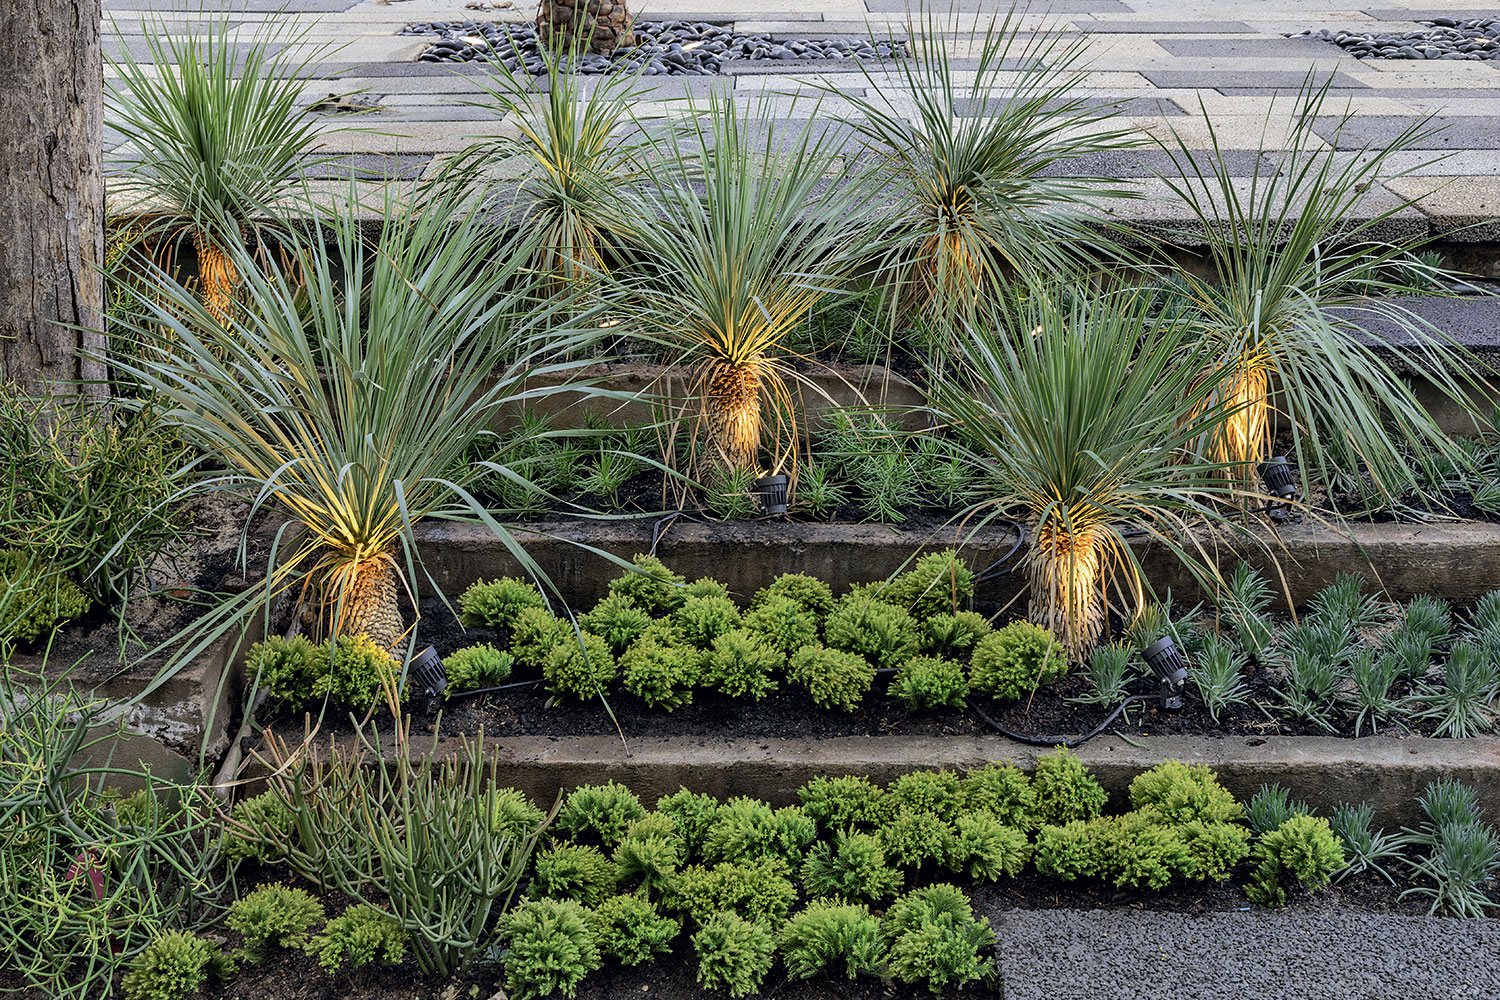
(663, 48)
(1447, 38)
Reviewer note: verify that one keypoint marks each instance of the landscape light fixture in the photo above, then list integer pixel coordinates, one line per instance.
(1276, 473)
(770, 491)
(1165, 660)
(427, 670)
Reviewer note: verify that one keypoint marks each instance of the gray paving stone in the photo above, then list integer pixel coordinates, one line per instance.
(1135, 107)
(1135, 163)
(1468, 132)
(1428, 13)
(1251, 47)
(368, 166)
(236, 6)
(994, 6)
(1165, 27)
(1204, 79)
(140, 51)
(1337, 94)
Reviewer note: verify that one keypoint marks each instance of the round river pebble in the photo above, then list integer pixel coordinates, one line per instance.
(663, 48)
(1447, 38)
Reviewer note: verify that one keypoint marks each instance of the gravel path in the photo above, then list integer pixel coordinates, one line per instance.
(1119, 954)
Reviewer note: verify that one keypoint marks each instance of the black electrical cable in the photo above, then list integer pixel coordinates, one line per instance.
(993, 569)
(1054, 741)
(503, 687)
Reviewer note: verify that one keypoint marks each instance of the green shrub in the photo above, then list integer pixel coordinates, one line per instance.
(651, 851)
(1302, 850)
(760, 890)
(834, 679)
(1016, 659)
(694, 813)
(580, 665)
(358, 671)
(1182, 793)
(930, 936)
(704, 619)
(661, 676)
(733, 954)
(274, 916)
(807, 592)
(1066, 851)
(828, 935)
(651, 587)
(1214, 849)
(988, 849)
(1134, 850)
(601, 814)
(741, 665)
(1065, 790)
(705, 586)
(913, 839)
(290, 668)
(497, 603)
(514, 815)
(882, 633)
(853, 867)
(617, 621)
(926, 682)
(360, 936)
(269, 821)
(939, 583)
(937, 792)
(954, 634)
(747, 828)
(783, 624)
(1004, 791)
(843, 803)
(39, 597)
(477, 666)
(536, 633)
(552, 948)
(173, 966)
(629, 928)
(574, 871)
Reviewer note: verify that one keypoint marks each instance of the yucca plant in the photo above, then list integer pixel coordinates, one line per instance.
(1296, 268)
(972, 202)
(1083, 416)
(349, 402)
(222, 139)
(729, 249)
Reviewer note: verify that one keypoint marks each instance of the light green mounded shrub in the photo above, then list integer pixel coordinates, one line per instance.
(651, 851)
(705, 586)
(693, 812)
(574, 871)
(882, 633)
(924, 683)
(629, 928)
(514, 814)
(1004, 791)
(741, 665)
(477, 666)
(39, 598)
(1303, 850)
(733, 954)
(954, 635)
(1013, 660)
(843, 803)
(987, 849)
(1131, 850)
(1181, 793)
(274, 916)
(551, 948)
(835, 679)
(930, 935)
(291, 668)
(1066, 851)
(807, 592)
(269, 821)
(746, 828)
(663, 676)
(760, 890)
(1214, 849)
(939, 583)
(915, 839)
(937, 792)
(360, 936)
(852, 867)
(358, 672)
(617, 621)
(498, 603)
(535, 634)
(1065, 790)
(172, 967)
(651, 587)
(828, 936)
(599, 814)
(703, 619)
(783, 624)
(580, 666)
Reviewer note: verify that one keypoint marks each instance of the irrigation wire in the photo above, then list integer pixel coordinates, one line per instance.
(1055, 741)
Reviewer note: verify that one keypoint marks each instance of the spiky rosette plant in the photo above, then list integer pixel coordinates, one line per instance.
(352, 402)
(221, 140)
(730, 249)
(1086, 418)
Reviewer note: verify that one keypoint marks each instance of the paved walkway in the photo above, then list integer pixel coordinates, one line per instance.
(1165, 55)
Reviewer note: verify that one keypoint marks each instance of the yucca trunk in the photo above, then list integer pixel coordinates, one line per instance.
(732, 410)
(1066, 572)
(218, 278)
(371, 601)
(599, 26)
(1243, 439)
(947, 274)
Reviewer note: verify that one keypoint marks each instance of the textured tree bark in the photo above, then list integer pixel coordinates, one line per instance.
(51, 194)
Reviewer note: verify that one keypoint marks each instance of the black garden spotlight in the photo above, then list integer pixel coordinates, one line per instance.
(770, 491)
(426, 669)
(1276, 473)
(1166, 661)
